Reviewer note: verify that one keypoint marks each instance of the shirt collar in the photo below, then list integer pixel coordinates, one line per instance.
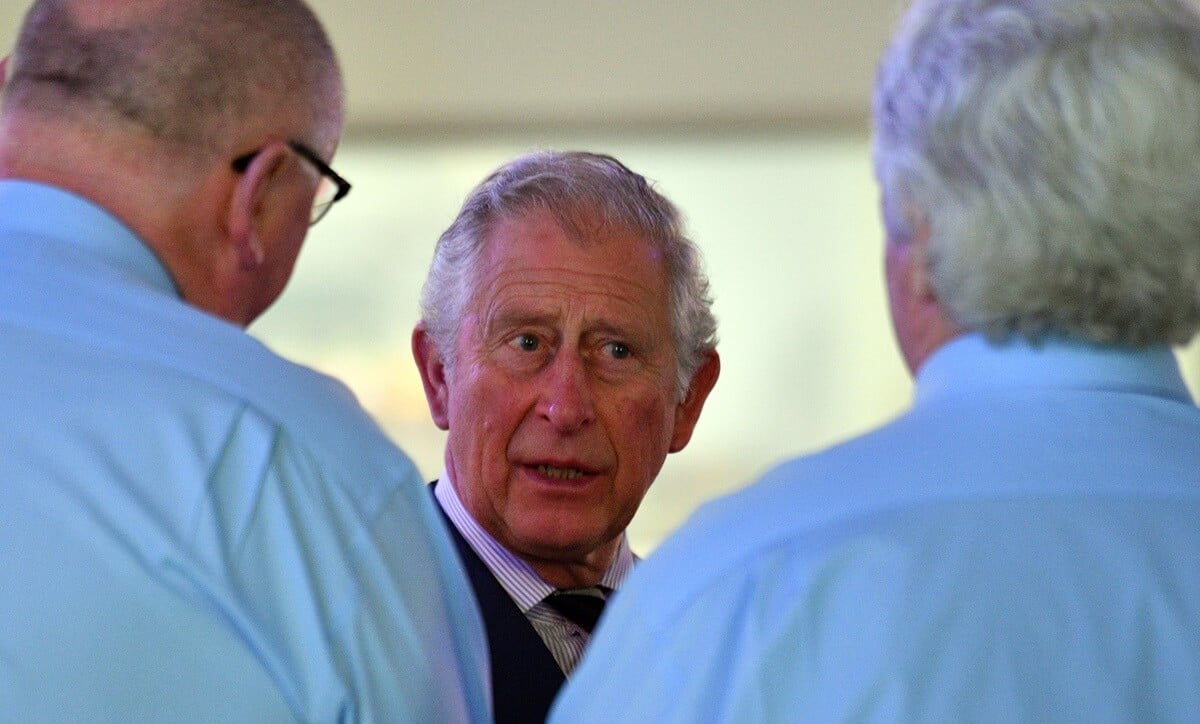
(71, 222)
(516, 576)
(971, 364)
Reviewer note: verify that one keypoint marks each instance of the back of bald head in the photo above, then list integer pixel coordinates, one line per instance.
(191, 73)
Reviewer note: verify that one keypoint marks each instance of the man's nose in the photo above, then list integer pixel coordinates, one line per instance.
(566, 399)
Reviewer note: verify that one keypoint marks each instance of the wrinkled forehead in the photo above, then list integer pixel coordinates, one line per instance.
(594, 260)
(581, 232)
(586, 220)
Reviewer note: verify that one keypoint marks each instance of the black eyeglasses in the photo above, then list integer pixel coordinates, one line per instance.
(332, 188)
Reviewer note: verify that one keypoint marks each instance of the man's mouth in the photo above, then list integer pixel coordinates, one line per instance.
(557, 473)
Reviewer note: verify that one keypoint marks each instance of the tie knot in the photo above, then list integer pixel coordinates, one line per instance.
(582, 606)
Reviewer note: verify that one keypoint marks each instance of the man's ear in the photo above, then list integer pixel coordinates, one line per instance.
(247, 204)
(433, 375)
(920, 275)
(920, 321)
(687, 412)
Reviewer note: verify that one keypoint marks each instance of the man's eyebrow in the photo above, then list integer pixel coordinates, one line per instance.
(516, 316)
(638, 336)
(609, 329)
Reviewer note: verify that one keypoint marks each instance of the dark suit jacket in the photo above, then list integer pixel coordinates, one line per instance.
(525, 677)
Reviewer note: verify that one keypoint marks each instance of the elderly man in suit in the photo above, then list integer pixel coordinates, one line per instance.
(567, 345)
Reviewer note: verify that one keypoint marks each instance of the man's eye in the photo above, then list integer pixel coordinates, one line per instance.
(618, 350)
(528, 343)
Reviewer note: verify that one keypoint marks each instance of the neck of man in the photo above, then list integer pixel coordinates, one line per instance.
(582, 572)
(152, 188)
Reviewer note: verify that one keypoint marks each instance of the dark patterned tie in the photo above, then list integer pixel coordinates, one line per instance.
(582, 606)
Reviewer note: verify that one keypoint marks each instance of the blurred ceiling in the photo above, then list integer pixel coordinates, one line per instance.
(457, 66)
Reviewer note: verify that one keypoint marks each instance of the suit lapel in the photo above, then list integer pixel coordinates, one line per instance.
(525, 677)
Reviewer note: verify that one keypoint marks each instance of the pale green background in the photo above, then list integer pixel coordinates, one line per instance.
(792, 241)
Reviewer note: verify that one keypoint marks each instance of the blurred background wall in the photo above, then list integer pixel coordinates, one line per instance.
(752, 116)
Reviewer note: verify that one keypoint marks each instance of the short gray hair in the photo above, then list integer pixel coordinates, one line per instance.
(1053, 149)
(188, 72)
(576, 189)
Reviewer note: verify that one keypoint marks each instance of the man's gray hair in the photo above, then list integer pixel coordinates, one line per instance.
(1053, 149)
(578, 190)
(188, 72)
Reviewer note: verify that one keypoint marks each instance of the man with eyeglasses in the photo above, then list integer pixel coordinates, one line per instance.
(192, 528)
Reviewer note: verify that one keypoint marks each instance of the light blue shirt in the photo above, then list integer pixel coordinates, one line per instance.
(192, 528)
(1022, 546)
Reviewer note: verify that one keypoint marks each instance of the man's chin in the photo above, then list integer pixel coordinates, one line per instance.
(552, 542)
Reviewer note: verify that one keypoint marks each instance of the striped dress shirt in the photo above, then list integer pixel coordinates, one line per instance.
(565, 639)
